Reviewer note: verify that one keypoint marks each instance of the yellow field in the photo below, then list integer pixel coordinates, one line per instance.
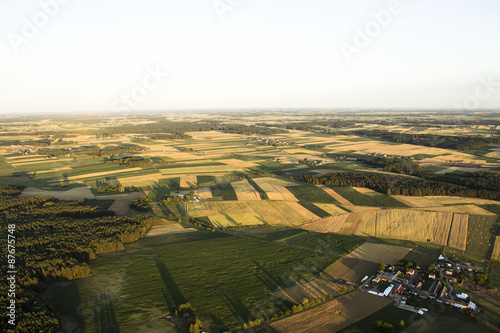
(200, 169)
(313, 289)
(219, 208)
(235, 220)
(416, 201)
(168, 228)
(496, 250)
(380, 253)
(245, 191)
(459, 200)
(272, 193)
(466, 209)
(78, 193)
(238, 163)
(331, 208)
(420, 226)
(306, 213)
(188, 181)
(458, 231)
(276, 213)
(332, 316)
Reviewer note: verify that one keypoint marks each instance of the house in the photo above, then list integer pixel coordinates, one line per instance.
(453, 280)
(399, 289)
(449, 272)
(384, 276)
(432, 276)
(410, 271)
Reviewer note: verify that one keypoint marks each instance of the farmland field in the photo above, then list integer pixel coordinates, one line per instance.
(334, 315)
(311, 194)
(223, 277)
(481, 234)
(388, 254)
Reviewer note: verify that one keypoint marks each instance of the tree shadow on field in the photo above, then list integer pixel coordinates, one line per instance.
(271, 281)
(218, 324)
(105, 319)
(173, 295)
(237, 308)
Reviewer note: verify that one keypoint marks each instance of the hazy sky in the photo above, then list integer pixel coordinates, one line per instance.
(89, 55)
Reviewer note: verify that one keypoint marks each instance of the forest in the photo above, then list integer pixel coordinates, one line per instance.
(402, 185)
(53, 242)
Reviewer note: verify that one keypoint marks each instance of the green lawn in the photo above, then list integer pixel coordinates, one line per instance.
(227, 280)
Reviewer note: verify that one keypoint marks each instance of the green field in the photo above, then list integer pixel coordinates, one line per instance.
(226, 279)
(311, 194)
(481, 234)
(224, 190)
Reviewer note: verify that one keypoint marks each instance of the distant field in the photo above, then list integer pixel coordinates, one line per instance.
(367, 197)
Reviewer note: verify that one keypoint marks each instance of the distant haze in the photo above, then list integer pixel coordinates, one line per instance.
(88, 55)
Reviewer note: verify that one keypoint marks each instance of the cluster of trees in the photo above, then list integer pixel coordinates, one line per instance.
(53, 243)
(480, 180)
(105, 188)
(432, 140)
(318, 124)
(92, 150)
(400, 185)
(130, 161)
(170, 136)
(249, 130)
(384, 326)
(36, 143)
(141, 204)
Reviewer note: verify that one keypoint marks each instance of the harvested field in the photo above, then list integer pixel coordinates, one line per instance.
(271, 192)
(306, 213)
(168, 228)
(238, 163)
(466, 209)
(416, 201)
(335, 195)
(219, 208)
(188, 180)
(224, 191)
(334, 315)
(276, 213)
(344, 223)
(313, 289)
(458, 231)
(245, 191)
(314, 209)
(417, 225)
(444, 200)
(382, 253)
(78, 193)
(235, 220)
(331, 208)
(496, 249)
(352, 270)
(481, 234)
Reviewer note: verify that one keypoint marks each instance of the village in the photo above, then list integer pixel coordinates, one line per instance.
(414, 288)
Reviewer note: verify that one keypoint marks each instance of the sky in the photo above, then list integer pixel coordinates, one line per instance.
(77, 56)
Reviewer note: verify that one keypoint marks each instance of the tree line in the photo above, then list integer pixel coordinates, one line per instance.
(400, 185)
